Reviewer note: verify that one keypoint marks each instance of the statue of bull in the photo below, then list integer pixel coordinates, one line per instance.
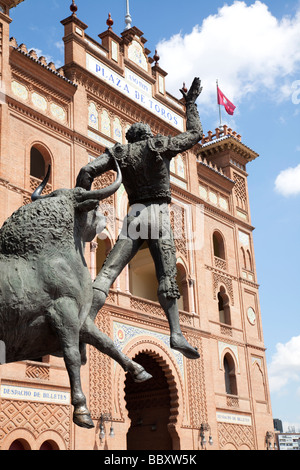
(46, 288)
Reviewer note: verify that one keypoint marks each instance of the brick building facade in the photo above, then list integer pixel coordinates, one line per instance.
(67, 117)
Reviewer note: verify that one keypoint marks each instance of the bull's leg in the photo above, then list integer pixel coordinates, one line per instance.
(90, 334)
(64, 318)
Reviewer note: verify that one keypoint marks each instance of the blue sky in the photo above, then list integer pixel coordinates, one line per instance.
(253, 49)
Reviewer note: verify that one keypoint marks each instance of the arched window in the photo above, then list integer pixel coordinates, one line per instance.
(229, 375)
(142, 276)
(249, 261)
(224, 307)
(37, 164)
(101, 254)
(244, 266)
(182, 282)
(177, 166)
(218, 244)
(40, 160)
(259, 391)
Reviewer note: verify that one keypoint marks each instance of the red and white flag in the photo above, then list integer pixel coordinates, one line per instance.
(222, 100)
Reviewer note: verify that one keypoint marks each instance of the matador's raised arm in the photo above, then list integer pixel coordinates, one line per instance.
(93, 169)
(194, 131)
(169, 146)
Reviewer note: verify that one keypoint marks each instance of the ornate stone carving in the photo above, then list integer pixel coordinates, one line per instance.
(240, 191)
(153, 308)
(37, 371)
(220, 263)
(100, 373)
(178, 224)
(227, 281)
(232, 401)
(36, 418)
(35, 182)
(236, 435)
(196, 388)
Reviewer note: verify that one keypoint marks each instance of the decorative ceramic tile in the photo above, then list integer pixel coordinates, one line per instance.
(244, 238)
(232, 348)
(180, 166)
(161, 84)
(114, 51)
(19, 90)
(105, 123)
(223, 203)
(39, 101)
(58, 112)
(100, 139)
(123, 333)
(117, 130)
(178, 182)
(93, 116)
(213, 198)
(136, 54)
(203, 192)
(242, 215)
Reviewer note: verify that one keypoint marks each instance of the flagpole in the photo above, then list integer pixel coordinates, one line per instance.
(220, 113)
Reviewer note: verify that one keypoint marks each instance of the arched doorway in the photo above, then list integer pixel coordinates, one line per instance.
(19, 444)
(149, 408)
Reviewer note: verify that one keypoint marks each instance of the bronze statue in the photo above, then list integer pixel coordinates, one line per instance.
(145, 166)
(46, 288)
(48, 302)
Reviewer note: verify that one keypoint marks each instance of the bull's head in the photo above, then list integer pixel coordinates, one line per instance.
(86, 202)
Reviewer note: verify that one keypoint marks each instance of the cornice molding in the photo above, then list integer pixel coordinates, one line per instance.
(228, 143)
(126, 108)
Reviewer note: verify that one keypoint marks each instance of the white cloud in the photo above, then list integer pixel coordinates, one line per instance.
(285, 365)
(245, 47)
(287, 182)
(60, 46)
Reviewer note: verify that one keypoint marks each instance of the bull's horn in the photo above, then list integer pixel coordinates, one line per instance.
(100, 194)
(37, 193)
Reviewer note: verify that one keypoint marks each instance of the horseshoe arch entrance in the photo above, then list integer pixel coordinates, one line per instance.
(150, 406)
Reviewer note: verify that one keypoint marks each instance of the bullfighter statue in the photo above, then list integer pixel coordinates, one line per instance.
(46, 288)
(145, 167)
(48, 302)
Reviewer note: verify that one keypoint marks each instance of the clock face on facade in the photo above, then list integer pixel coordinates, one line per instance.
(251, 316)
